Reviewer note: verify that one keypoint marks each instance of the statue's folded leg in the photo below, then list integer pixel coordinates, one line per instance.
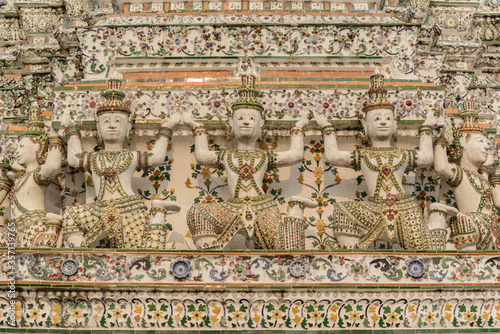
(202, 227)
(30, 229)
(158, 233)
(438, 217)
(51, 231)
(292, 230)
(464, 233)
(73, 228)
(345, 227)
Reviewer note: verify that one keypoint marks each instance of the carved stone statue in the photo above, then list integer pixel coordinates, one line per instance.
(390, 214)
(38, 158)
(118, 215)
(476, 226)
(250, 219)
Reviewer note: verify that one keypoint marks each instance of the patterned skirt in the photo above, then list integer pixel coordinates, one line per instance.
(124, 222)
(258, 216)
(398, 217)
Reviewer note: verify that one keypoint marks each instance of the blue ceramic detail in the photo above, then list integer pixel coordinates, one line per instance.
(69, 267)
(180, 268)
(416, 268)
(297, 269)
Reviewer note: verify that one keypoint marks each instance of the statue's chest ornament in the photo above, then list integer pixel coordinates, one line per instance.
(483, 188)
(246, 168)
(108, 165)
(18, 184)
(386, 179)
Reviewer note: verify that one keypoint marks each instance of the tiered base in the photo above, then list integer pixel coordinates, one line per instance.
(127, 291)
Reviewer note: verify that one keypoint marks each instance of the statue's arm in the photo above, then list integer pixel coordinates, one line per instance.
(202, 152)
(333, 155)
(52, 165)
(495, 184)
(441, 164)
(425, 153)
(5, 186)
(296, 152)
(74, 147)
(159, 151)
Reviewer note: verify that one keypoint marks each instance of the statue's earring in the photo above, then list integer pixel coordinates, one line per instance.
(129, 136)
(363, 135)
(229, 130)
(99, 140)
(263, 134)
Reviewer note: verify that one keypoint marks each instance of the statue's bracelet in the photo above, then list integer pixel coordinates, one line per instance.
(72, 130)
(291, 204)
(442, 141)
(199, 130)
(328, 130)
(425, 130)
(295, 130)
(55, 142)
(6, 184)
(165, 132)
(495, 179)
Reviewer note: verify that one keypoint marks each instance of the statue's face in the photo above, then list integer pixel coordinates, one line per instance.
(113, 127)
(247, 124)
(26, 151)
(476, 149)
(380, 124)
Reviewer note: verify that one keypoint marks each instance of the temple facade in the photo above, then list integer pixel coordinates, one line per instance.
(253, 166)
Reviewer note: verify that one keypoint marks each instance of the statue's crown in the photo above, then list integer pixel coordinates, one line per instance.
(470, 117)
(35, 127)
(35, 130)
(114, 99)
(377, 94)
(248, 95)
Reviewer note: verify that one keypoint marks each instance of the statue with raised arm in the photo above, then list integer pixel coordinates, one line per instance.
(38, 159)
(118, 215)
(250, 219)
(476, 226)
(390, 215)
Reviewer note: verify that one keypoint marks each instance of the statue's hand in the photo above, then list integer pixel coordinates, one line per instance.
(172, 121)
(321, 119)
(66, 120)
(436, 121)
(15, 165)
(303, 121)
(53, 132)
(187, 119)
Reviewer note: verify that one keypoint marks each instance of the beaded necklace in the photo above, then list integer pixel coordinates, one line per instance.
(18, 184)
(483, 188)
(386, 178)
(245, 171)
(111, 164)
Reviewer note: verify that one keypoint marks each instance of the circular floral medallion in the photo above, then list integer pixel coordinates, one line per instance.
(69, 267)
(180, 268)
(416, 268)
(297, 269)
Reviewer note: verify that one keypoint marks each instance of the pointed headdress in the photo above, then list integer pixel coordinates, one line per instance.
(114, 100)
(377, 96)
(469, 116)
(35, 131)
(248, 96)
